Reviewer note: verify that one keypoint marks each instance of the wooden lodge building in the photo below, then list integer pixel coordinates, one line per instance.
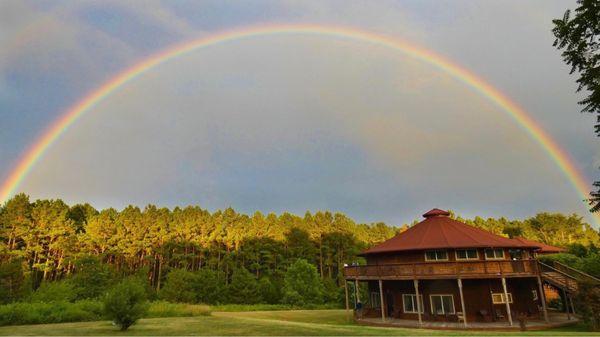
(443, 270)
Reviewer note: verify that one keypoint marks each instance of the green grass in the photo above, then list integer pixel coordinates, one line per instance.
(263, 323)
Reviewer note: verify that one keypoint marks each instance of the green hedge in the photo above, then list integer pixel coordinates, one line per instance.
(53, 312)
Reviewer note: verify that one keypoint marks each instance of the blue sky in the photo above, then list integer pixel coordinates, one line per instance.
(297, 122)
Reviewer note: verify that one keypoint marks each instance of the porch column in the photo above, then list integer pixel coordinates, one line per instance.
(572, 305)
(508, 314)
(543, 299)
(357, 291)
(462, 302)
(346, 291)
(566, 304)
(381, 300)
(416, 283)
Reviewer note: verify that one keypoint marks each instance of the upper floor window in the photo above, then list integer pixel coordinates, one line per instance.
(467, 254)
(494, 254)
(436, 255)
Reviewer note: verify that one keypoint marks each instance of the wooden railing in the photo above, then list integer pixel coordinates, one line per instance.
(575, 273)
(464, 269)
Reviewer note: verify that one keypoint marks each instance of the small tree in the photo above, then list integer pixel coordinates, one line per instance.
(91, 279)
(588, 303)
(209, 289)
(179, 287)
(126, 303)
(243, 288)
(302, 284)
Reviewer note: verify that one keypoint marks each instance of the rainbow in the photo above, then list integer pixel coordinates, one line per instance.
(61, 125)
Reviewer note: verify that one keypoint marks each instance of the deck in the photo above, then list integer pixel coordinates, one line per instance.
(449, 269)
(557, 319)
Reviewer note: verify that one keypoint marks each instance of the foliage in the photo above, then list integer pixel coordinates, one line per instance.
(125, 303)
(269, 291)
(579, 39)
(588, 303)
(61, 291)
(208, 288)
(13, 283)
(243, 288)
(179, 287)
(302, 284)
(50, 312)
(92, 278)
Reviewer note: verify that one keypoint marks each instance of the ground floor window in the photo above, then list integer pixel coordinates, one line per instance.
(410, 303)
(498, 298)
(375, 300)
(442, 304)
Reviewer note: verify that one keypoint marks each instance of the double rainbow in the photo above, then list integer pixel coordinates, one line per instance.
(554, 151)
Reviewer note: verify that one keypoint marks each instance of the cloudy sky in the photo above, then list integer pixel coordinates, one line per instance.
(293, 122)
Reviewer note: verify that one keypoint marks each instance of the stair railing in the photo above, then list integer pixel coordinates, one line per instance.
(578, 274)
(563, 276)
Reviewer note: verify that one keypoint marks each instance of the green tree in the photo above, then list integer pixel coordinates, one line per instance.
(92, 278)
(179, 287)
(302, 284)
(126, 303)
(208, 288)
(12, 281)
(579, 39)
(243, 288)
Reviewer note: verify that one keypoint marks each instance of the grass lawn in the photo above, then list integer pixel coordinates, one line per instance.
(264, 323)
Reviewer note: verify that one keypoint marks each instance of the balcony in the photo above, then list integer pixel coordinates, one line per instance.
(441, 270)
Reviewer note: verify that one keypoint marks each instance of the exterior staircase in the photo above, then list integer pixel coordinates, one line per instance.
(564, 277)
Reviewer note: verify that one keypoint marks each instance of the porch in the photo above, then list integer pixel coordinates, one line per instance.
(556, 319)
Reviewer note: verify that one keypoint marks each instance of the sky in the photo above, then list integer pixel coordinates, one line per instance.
(294, 122)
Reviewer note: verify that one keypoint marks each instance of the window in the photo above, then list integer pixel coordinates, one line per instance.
(375, 298)
(494, 254)
(534, 294)
(410, 303)
(498, 298)
(467, 254)
(442, 304)
(436, 255)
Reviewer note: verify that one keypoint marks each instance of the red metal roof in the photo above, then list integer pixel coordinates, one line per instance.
(544, 248)
(439, 231)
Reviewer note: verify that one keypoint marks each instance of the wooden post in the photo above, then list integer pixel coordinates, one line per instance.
(347, 298)
(462, 301)
(416, 283)
(566, 304)
(572, 306)
(543, 299)
(357, 291)
(508, 313)
(381, 300)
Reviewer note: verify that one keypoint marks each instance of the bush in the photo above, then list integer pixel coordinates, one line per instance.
(302, 284)
(92, 278)
(126, 303)
(13, 282)
(243, 288)
(179, 287)
(269, 291)
(54, 292)
(591, 264)
(588, 303)
(208, 287)
(55, 312)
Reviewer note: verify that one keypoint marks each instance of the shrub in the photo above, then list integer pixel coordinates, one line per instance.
(12, 281)
(243, 288)
(179, 287)
(302, 284)
(54, 312)
(91, 279)
(269, 291)
(126, 303)
(588, 303)
(54, 292)
(591, 264)
(208, 287)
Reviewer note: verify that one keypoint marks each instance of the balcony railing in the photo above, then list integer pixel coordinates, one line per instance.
(453, 269)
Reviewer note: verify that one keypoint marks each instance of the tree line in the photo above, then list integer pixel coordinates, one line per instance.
(46, 238)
